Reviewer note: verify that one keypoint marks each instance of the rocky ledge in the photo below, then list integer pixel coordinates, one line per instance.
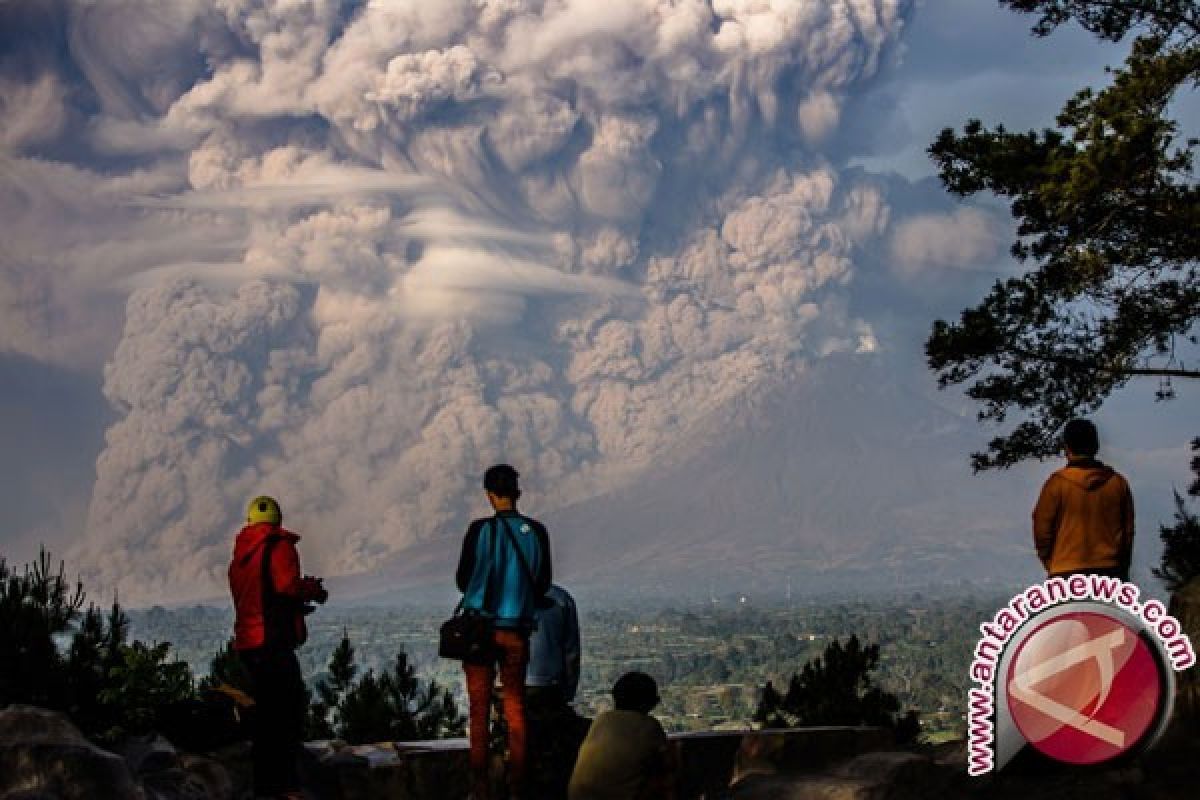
(44, 757)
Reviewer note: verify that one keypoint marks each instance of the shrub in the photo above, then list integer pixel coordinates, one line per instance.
(1181, 541)
(836, 689)
(57, 655)
(390, 706)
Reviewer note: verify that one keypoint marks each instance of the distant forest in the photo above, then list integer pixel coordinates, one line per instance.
(710, 660)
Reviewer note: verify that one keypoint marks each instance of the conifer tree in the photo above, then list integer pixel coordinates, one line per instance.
(1181, 542)
(1108, 218)
(227, 669)
(389, 706)
(835, 688)
(108, 687)
(331, 690)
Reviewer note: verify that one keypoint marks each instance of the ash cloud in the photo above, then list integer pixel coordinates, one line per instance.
(962, 239)
(370, 247)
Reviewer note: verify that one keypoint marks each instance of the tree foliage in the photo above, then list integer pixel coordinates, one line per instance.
(324, 711)
(226, 669)
(37, 605)
(836, 688)
(58, 655)
(1181, 541)
(1113, 19)
(95, 652)
(140, 686)
(390, 706)
(1108, 217)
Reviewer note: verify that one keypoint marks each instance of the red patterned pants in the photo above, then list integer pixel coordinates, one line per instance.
(512, 655)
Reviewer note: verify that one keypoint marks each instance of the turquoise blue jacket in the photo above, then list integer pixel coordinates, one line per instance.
(490, 574)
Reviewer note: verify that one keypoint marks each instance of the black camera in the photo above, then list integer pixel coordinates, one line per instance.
(317, 591)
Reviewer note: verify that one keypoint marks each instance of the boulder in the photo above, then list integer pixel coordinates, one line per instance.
(212, 774)
(398, 771)
(189, 777)
(235, 761)
(814, 787)
(42, 752)
(32, 725)
(174, 784)
(150, 753)
(872, 776)
(893, 775)
(801, 750)
(950, 754)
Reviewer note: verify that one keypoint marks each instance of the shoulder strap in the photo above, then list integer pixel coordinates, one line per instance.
(277, 609)
(491, 567)
(520, 556)
(268, 584)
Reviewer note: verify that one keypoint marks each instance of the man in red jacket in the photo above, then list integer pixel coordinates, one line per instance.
(271, 597)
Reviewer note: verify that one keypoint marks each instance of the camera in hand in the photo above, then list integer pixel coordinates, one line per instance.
(317, 591)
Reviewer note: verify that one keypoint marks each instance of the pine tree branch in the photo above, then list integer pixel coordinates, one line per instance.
(1158, 372)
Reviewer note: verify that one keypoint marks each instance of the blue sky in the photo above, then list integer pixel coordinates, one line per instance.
(349, 252)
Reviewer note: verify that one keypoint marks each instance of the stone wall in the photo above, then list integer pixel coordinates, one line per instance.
(43, 755)
(709, 762)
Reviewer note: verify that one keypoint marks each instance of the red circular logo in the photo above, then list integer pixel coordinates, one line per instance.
(1084, 688)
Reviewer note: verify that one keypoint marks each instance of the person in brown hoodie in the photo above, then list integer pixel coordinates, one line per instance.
(1083, 520)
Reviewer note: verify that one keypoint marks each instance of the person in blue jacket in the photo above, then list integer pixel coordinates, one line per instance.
(503, 572)
(554, 651)
(555, 730)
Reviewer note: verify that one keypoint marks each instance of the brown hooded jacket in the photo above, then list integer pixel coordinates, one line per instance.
(1084, 519)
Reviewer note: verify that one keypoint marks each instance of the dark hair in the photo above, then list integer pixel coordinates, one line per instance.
(1081, 438)
(501, 480)
(635, 691)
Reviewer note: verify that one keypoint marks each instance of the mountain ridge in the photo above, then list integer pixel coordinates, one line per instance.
(817, 499)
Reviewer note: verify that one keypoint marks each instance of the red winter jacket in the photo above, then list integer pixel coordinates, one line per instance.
(282, 614)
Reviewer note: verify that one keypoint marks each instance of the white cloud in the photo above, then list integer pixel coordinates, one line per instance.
(818, 116)
(967, 238)
(459, 281)
(30, 112)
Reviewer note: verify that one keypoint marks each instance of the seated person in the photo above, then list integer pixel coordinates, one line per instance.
(626, 755)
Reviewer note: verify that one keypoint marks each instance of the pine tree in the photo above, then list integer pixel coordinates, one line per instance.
(94, 652)
(835, 688)
(37, 604)
(1181, 541)
(420, 712)
(389, 706)
(331, 690)
(108, 687)
(342, 668)
(364, 714)
(1108, 216)
(142, 686)
(226, 669)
